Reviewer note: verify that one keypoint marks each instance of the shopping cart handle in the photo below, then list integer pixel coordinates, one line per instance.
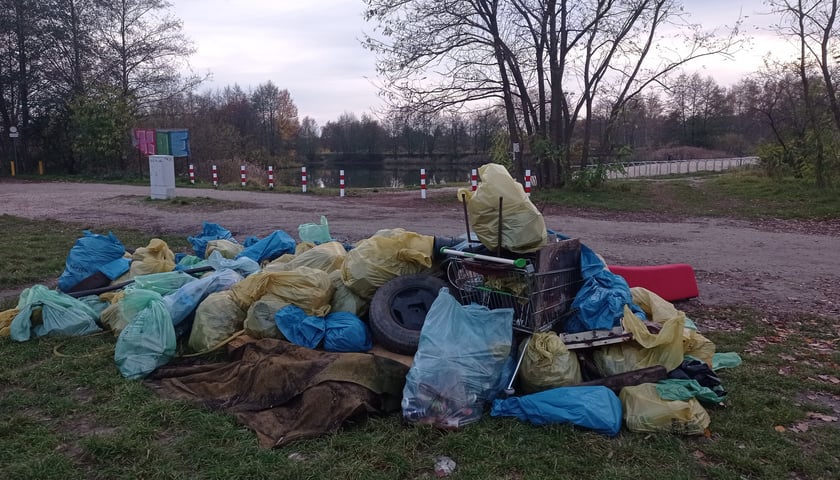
(518, 263)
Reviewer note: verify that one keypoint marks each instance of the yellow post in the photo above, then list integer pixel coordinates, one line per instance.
(40, 167)
(13, 168)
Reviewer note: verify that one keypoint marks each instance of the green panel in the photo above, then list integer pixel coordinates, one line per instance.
(162, 143)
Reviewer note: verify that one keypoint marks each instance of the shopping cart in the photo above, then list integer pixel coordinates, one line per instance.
(540, 287)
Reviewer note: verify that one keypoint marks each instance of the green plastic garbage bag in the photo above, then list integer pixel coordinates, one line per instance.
(314, 232)
(149, 339)
(44, 312)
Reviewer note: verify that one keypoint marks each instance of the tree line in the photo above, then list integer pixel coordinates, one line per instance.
(572, 83)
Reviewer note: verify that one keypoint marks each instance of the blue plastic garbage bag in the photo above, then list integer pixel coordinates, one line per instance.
(241, 265)
(346, 333)
(183, 301)
(461, 355)
(601, 299)
(600, 303)
(210, 231)
(270, 247)
(299, 328)
(62, 315)
(250, 241)
(148, 341)
(115, 268)
(88, 255)
(590, 263)
(596, 408)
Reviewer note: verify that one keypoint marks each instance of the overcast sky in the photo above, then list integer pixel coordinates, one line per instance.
(311, 48)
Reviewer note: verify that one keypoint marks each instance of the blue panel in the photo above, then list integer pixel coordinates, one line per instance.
(179, 140)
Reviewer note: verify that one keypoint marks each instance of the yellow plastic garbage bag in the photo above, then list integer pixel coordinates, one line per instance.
(217, 318)
(344, 300)
(308, 288)
(387, 254)
(326, 256)
(227, 248)
(665, 347)
(660, 310)
(645, 411)
(657, 308)
(113, 319)
(548, 364)
(154, 258)
(259, 322)
(698, 346)
(617, 358)
(523, 226)
(6, 318)
(112, 297)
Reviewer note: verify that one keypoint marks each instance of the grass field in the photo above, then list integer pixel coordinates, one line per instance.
(66, 413)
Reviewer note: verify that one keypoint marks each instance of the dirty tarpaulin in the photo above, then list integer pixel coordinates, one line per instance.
(286, 393)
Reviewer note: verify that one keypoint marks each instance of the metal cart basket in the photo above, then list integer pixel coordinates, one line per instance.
(540, 300)
(539, 288)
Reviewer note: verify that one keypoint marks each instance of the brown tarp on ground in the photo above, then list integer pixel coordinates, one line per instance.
(285, 392)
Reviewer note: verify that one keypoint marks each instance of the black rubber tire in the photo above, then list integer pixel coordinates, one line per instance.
(398, 310)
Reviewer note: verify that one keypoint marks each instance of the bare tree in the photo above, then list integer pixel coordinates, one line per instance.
(813, 24)
(142, 51)
(545, 61)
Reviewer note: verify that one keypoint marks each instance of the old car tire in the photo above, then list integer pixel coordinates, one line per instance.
(399, 308)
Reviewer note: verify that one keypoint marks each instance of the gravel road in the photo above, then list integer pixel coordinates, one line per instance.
(776, 265)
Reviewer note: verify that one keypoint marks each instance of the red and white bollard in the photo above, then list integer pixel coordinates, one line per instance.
(270, 177)
(474, 179)
(528, 182)
(423, 183)
(192, 174)
(303, 179)
(242, 176)
(215, 176)
(341, 183)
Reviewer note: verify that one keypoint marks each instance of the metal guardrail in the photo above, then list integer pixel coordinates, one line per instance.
(675, 167)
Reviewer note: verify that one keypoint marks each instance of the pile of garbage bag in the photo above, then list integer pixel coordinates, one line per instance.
(312, 295)
(317, 293)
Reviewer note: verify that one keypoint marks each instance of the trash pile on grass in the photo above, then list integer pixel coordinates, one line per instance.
(471, 357)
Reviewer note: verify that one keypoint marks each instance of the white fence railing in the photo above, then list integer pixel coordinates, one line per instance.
(675, 167)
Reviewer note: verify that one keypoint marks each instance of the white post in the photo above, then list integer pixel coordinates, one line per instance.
(341, 183)
(303, 179)
(423, 183)
(528, 182)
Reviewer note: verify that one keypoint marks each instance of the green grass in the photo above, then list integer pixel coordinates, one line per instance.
(733, 194)
(71, 415)
(34, 251)
(74, 416)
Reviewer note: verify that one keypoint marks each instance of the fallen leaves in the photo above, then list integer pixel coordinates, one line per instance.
(829, 378)
(822, 417)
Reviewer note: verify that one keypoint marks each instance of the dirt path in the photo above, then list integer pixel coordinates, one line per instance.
(784, 266)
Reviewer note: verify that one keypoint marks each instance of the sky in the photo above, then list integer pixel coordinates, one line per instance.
(312, 48)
